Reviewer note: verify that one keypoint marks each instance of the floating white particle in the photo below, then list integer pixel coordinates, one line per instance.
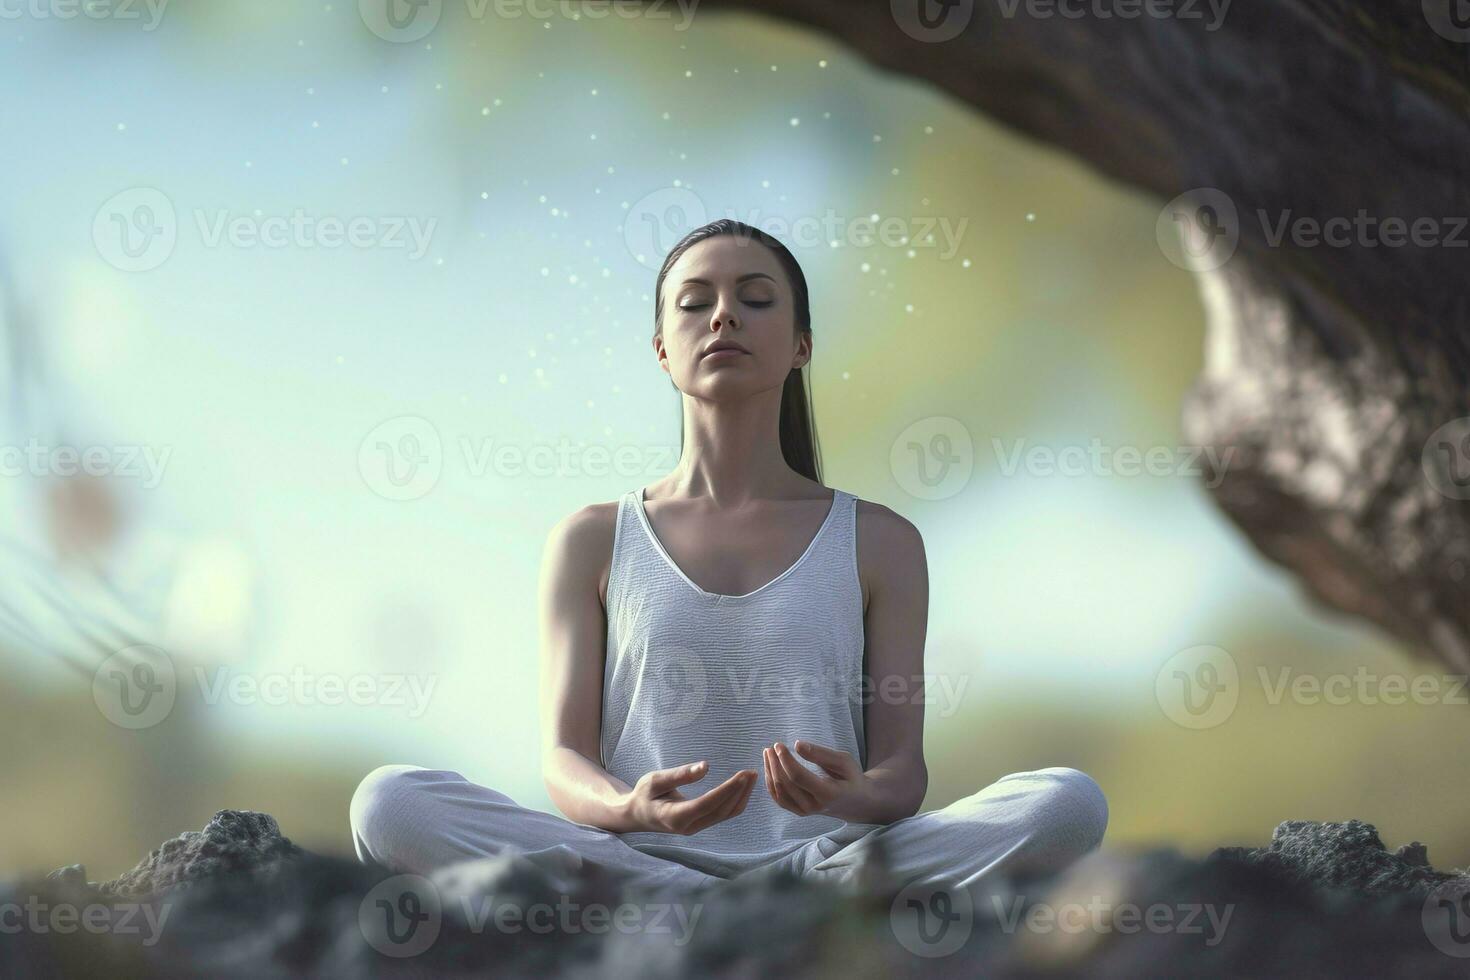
(315, 124)
(1031, 216)
(341, 359)
(594, 91)
(822, 63)
(121, 127)
(384, 89)
(795, 121)
(867, 267)
(502, 379)
(928, 130)
(895, 171)
(846, 376)
(877, 138)
(908, 307)
(484, 110)
(912, 253)
(966, 263)
(484, 195)
(688, 74)
(344, 161)
(545, 271)
(572, 279)
(311, 90)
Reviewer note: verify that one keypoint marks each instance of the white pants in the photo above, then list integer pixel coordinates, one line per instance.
(411, 819)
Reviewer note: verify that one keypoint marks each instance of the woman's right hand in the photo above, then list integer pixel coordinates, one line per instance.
(655, 803)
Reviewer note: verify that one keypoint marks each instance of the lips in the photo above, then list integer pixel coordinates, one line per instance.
(728, 349)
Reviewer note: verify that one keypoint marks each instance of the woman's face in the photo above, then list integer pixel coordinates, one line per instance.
(731, 289)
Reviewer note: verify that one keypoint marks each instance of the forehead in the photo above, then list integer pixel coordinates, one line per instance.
(725, 258)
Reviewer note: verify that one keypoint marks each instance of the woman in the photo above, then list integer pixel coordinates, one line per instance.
(733, 655)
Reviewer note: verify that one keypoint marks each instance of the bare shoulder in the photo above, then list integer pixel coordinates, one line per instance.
(579, 546)
(890, 548)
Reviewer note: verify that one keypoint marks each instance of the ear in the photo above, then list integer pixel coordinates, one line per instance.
(661, 354)
(803, 349)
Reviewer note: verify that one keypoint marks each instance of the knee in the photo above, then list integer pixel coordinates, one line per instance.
(383, 796)
(1075, 810)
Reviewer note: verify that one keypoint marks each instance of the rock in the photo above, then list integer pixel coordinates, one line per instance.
(233, 840)
(238, 900)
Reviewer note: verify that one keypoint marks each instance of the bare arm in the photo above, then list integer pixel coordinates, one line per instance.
(893, 566)
(573, 635)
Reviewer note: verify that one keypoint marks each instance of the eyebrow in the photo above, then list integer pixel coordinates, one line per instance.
(747, 276)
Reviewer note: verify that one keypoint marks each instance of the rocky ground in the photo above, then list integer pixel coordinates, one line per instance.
(239, 900)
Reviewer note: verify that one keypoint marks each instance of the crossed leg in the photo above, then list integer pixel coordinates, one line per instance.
(1027, 823)
(413, 819)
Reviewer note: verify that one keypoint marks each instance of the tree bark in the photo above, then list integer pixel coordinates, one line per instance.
(1336, 370)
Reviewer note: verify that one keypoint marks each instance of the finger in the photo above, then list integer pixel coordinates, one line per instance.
(683, 814)
(725, 812)
(780, 790)
(839, 764)
(660, 781)
(751, 780)
(801, 783)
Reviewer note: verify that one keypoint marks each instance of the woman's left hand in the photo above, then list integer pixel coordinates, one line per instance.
(840, 790)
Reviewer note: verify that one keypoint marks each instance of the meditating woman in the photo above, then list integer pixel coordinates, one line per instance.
(732, 662)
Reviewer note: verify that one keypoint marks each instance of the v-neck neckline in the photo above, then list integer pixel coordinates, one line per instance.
(720, 596)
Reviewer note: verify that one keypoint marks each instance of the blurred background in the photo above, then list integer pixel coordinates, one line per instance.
(316, 319)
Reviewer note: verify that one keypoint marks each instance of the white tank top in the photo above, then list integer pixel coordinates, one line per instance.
(693, 675)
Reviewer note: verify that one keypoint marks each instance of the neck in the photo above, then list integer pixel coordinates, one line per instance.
(732, 452)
